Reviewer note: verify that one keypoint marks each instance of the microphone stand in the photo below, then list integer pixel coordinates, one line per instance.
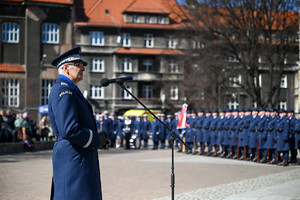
(173, 135)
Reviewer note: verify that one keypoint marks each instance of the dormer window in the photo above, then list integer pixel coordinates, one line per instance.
(135, 19)
(147, 19)
(159, 20)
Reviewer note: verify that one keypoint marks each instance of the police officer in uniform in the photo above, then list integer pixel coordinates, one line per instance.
(271, 135)
(76, 173)
(262, 135)
(155, 132)
(292, 120)
(282, 136)
(253, 134)
(146, 130)
(245, 134)
(199, 134)
(214, 133)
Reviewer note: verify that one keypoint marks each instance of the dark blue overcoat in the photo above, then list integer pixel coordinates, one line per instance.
(282, 133)
(76, 173)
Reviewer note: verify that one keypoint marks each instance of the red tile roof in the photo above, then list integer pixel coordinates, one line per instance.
(111, 12)
(148, 51)
(150, 6)
(45, 1)
(5, 67)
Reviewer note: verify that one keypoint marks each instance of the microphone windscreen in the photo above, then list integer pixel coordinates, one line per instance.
(104, 82)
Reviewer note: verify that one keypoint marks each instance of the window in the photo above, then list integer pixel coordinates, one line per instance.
(147, 19)
(125, 94)
(147, 91)
(173, 67)
(46, 88)
(50, 33)
(259, 59)
(282, 105)
(97, 65)
(259, 81)
(174, 92)
(136, 19)
(160, 20)
(147, 65)
(197, 45)
(235, 81)
(283, 81)
(10, 92)
(10, 32)
(96, 92)
(171, 42)
(126, 65)
(125, 40)
(233, 104)
(96, 38)
(148, 41)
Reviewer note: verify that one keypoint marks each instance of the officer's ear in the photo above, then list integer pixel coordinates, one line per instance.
(66, 68)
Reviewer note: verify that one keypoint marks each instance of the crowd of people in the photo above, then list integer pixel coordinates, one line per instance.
(17, 127)
(258, 135)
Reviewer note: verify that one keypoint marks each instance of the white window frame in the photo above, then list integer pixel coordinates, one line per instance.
(97, 65)
(160, 20)
(283, 83)
(282, 105)
(126, 65)
(259, 80)
(136, 19)
(10, 92)
(147, 19)
(125, 94)
(46, 89)
(96, 92)
(147, 91)
(172, 42)
(50, 33)
(10, 32)
(174, 91)
(235, 81)
(233, 104)
(125, 40)
(173, 66)
(148, 65)
(96, 38)
(148, 41)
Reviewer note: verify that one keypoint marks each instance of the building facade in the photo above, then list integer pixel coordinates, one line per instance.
(136, 38)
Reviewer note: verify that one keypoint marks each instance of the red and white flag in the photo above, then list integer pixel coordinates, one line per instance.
(182, 119)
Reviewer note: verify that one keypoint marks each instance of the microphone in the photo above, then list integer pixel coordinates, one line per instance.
(105, 82)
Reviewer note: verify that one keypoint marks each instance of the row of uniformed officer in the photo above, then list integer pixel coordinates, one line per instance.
(259, 135)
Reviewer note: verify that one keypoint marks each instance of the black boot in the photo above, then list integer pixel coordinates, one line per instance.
(284, 162)
(254, 159)
(263, 160)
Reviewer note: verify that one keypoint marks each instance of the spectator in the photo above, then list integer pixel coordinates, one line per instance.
(44, 128)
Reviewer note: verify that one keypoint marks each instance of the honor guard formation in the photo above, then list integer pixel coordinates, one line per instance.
(257, 135)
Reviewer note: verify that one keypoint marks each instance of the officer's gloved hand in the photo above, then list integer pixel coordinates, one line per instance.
(104, 141)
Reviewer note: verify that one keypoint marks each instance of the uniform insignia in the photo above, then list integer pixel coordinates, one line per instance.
(65, 92)
(62, 83)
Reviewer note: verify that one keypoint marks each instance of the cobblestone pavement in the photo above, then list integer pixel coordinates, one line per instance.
(146, 174)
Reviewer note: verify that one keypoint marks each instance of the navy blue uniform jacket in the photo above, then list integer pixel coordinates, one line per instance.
(76, 173)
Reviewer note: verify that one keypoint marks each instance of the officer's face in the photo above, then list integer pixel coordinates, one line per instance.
(75, 71)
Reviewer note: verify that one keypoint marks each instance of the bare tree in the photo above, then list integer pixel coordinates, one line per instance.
(251, 38)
